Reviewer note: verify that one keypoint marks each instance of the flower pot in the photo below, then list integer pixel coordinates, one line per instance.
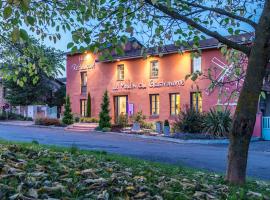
(136, 126)
(166, 130)
(159, 127)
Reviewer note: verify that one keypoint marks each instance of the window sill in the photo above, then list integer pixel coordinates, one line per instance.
(156, 77)
(153, 116)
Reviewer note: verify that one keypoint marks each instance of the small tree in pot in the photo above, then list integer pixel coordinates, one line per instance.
(138, 121)
(166, 128)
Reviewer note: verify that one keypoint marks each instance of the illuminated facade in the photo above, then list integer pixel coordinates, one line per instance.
(155, 85)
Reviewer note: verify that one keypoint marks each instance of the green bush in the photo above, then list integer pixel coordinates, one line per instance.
(88, 120)
(106, 129)
(77, 119)
(68, 116)
(47, 121)
(122, 120)
(189, 121)
(138, 117)
(13, 116)
(104, 115)
(147, 125)
(217, 122)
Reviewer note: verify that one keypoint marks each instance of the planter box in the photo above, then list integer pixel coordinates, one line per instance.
(166, 130)
(136, 127)
(159, 127)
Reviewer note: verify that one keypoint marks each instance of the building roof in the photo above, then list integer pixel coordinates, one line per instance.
(172, 48)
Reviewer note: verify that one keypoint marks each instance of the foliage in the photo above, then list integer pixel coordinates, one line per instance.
(47, 121)
(122, 120)
(25, 88)
(88, 106)
(29, 61)
(147, 125)
(77, 119)
(104, 115)
(166, 123)
(106, 129)
(13, 116)
(58, 97)
(189, 121)
(217, 122)
(88, 120)
(138, 117)
(68, 116)
(110, 176)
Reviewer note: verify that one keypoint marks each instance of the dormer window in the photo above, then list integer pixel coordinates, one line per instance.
(120, 72)
(154, 69)
(196, 64)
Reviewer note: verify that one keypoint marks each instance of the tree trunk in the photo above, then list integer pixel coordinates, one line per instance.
(245, 114)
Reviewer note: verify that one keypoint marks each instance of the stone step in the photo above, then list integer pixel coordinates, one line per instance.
(82, 127)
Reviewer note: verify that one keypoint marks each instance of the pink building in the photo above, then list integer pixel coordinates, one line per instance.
(155, 85)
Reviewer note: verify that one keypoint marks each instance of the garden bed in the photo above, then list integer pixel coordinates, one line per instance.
(31, 171)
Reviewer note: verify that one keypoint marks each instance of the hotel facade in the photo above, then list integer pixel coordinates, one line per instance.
(155, 85)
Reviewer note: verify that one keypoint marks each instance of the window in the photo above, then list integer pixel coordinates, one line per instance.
(154, 69)
(196, 101)
(154, 104)
(174, 104)
(83, 107)
(120, 72)
(196, 64)
(83, 82)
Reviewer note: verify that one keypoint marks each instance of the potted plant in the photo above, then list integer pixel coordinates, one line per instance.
(166, 128)
(138, 120)
(159, 127)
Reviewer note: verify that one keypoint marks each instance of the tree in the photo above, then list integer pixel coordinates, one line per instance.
(186, 22)
(104, 115)
(88, 111)
(68, 117)
(106, 26)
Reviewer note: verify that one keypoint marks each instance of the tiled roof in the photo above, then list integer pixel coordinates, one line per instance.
(167, 49)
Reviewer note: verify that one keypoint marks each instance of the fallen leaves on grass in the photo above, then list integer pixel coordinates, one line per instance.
(28, 173)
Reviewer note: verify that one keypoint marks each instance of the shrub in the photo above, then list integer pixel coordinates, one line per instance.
(13, 116)
(88, 120)
(188, 121)
(116, 128)
(88, 106)
(217, 122)
(68, 117)
(104, 115)
(166, 123)
(122, 120)
(77, 119)
(106, 129)
(138, 118)
(47, 122)
(147, 125)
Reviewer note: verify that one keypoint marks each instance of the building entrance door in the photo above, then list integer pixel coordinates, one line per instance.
(120, 105)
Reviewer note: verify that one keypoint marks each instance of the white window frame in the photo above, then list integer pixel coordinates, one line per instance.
(196, 64)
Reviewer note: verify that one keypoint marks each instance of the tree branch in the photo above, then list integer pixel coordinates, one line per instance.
(222, 12)
(175, 15)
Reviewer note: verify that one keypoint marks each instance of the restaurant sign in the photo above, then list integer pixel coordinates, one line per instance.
(151, 84)
(83, 64)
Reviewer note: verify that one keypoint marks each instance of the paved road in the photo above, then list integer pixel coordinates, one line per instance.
(207, 157)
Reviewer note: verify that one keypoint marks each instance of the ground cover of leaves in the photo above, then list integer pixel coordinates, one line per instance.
(31, 171)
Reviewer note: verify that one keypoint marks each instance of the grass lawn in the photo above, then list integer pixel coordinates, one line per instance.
(32, 171)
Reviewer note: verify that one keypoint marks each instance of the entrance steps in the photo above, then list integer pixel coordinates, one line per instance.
(82, 127)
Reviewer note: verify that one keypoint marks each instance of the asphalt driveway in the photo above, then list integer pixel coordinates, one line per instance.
(207, 157)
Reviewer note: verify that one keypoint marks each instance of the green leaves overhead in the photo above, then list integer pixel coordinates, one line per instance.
(7, 12)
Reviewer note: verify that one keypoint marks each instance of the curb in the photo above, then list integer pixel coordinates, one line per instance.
(167, 139)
